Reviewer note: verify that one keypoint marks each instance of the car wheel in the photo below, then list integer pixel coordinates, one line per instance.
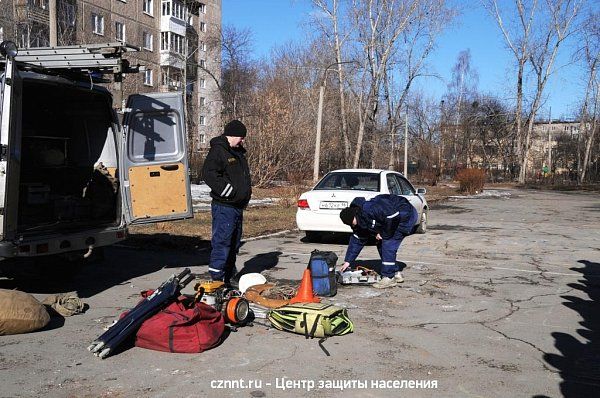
(422, 227)
(312, 236)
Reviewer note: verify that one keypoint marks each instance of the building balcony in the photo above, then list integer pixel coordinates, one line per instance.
(172, 59)
(172, 24)
(26, 10)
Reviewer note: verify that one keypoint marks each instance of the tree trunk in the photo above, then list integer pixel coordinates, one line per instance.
(519, 121)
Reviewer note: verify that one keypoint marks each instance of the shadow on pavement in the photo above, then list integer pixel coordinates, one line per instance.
(260, 263)
(579, 360)
(119, 266)
(461, 228)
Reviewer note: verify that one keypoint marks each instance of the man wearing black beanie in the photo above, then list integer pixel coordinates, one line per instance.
(227, 174)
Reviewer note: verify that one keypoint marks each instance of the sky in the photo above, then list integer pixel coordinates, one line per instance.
(275, 22)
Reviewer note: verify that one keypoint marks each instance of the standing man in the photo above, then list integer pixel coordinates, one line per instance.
(388, 218)
(227, 174)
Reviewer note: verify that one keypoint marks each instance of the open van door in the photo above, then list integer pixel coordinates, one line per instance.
(154, 168)
(10, 140)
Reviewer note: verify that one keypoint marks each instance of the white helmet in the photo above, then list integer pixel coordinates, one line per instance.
(252, 279)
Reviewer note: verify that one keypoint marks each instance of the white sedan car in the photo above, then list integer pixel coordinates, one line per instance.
(319, 209)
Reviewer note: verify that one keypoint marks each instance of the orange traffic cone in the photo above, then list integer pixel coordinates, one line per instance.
(305, 291)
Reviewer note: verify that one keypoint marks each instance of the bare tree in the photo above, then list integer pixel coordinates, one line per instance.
(462, 90)
(379, 25)
(237, 70)
(331, 8)
(534, 35)
(417, 42)
(590, 112)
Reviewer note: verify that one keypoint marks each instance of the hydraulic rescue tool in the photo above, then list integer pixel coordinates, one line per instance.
(229, 302)
(105, 345)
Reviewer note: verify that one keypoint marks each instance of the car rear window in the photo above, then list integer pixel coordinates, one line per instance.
(350, 181)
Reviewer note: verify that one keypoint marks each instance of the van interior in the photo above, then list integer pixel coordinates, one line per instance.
(68, 164)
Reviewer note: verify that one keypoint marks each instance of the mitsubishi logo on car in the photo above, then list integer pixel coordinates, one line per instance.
(333, 195)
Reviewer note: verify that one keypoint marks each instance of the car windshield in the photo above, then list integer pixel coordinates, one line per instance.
(350, 181)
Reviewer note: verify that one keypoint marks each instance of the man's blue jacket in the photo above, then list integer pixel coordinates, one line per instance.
(391, 216)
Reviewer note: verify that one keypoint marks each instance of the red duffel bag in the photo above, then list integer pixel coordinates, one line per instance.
(183, 326)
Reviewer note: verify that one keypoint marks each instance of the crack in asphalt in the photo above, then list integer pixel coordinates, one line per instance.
(276, 359)
(522, 341)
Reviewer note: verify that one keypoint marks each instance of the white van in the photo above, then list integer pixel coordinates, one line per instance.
(71, 177)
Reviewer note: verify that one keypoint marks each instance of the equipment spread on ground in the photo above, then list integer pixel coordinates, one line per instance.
(322, 271)
(312, 319)
(358, 276)
(229, 302)
(263, 295)
(129, 323)
(20, 312)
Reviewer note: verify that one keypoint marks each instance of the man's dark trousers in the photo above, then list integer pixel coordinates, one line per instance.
(226, 238)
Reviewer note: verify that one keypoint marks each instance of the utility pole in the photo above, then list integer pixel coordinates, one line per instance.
(317, 159)
(406, 143)
(52, 21)
(318, 138)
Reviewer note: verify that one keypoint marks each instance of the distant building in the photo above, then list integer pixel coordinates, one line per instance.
(548, 144)
(179, 41)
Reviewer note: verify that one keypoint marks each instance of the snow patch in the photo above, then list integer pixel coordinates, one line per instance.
(201, 198)
(486, 194)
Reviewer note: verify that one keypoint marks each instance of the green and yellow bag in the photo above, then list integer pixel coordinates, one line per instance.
(312, 319)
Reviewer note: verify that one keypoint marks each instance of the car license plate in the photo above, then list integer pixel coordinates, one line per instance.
(333, 205)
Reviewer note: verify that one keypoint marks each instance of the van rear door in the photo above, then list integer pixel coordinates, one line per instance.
(10, 140)
(154, 168)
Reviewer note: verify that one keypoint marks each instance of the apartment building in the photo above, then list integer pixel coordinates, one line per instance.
(548, 137)
(179, 42)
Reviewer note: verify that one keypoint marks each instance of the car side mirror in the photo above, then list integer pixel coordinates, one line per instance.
(421, 191)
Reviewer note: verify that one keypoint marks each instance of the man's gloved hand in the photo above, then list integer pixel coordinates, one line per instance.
(344, 266)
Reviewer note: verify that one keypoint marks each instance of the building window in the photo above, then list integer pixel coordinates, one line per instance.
(202, 46)
(67, 13)
(98, 24)
(202, 101)
(147, 7)
(119, 31)
(202, 138)
(166, 8)
(202, 26)
(1, 33)
(44, 4)
(202, 8)
(164, 40)
(148, 39)
(202, 83)
(178, 10)
(202, 120)
(148, 77)
(172, 42)
(203, 63)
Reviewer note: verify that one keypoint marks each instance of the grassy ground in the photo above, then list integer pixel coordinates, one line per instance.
(196, 233)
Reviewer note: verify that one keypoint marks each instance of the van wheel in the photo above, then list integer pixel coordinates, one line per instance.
(422, 227)
(312, 236)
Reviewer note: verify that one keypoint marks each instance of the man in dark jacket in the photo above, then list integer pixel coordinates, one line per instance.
(227, 174)
(389, 218)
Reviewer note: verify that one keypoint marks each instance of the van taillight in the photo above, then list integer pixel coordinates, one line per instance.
(303, 203)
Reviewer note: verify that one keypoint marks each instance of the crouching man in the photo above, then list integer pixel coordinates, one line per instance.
(388, 218)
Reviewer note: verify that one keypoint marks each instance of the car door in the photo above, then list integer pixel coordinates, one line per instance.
(155, 179)
(409, 193)
(10, 140)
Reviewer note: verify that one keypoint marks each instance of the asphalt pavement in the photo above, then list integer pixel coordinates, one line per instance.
(499, 301)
